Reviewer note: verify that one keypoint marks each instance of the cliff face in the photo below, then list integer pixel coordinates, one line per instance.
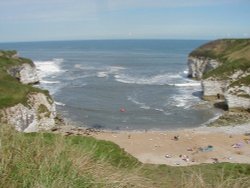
(38, 114)
(197, 66)
(238, 97)
(223, 67)
(213, 88)
(27, 108)
(25, 73)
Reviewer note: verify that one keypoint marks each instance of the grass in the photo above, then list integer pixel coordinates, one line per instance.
(8, 53)
(233, 53)
(242, 82)
(49, 160)
(12, 91)
(228, 69)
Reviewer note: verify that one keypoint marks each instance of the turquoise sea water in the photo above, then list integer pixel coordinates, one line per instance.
(120, 84)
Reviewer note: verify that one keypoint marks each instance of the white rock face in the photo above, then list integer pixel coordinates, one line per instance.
(213, 87)
(198, 66)
(235, 97)
(26, 73)
(236, 102)
(39, 115)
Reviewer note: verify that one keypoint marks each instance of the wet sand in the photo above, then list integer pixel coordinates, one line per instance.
(185, 147)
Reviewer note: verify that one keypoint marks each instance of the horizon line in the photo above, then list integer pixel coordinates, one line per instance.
(115, 39)
(122, 39)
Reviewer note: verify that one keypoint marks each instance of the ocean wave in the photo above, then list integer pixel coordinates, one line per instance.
(109, 70)
(75, 85)
(49, 68)
(76, 77)
(188, 84)
(102, 74)
(217, 115)
(135, 101)
(49, 82)
(159, 109)
(59, 103)
(184, 100)
(161, 79)
(85, 67)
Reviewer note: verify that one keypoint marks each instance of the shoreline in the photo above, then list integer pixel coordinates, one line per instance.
(193, 145)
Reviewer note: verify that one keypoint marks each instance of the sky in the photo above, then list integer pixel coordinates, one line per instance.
(45, 20)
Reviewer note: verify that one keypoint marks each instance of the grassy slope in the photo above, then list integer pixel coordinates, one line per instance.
(48, 160)
(12, 91)
(233, 53)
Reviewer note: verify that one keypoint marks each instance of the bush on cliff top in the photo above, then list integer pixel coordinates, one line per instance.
(12, 91)
(233, 53)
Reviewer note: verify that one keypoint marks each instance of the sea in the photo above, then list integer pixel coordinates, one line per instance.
(120, 84)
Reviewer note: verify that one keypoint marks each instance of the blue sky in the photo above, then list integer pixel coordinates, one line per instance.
(39, 20)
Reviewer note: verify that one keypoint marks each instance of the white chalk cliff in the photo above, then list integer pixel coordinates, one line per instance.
(235, 97)
(197, 66)
(25, 73)
(38, 112)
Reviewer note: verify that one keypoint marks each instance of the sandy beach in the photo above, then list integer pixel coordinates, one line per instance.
(186, 146)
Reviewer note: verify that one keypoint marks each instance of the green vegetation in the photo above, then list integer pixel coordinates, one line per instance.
(12, 91)
(233, 53)
(43, 110)
(243, 81)
(9, 53)
(49, 160)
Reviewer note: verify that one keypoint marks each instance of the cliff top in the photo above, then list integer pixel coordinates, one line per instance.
(10, 58)
(234, 54)
(12, 91)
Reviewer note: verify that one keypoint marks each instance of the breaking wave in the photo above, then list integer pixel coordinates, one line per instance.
(109, 70)
(47, 70)
(142, 105)
(161, 79)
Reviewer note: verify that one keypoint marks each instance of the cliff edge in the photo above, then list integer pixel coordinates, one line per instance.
(27, 108)
(223, 66)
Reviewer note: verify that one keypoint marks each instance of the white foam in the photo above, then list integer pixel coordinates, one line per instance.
(161, 79)
(85, 67)
(102, 74)
(76, 77)
(145, 107)
(49, 82)
(217, 116)
(188, 84)
(78, 85)
(48, 68)
(109, 70)
(135, 101)
(174, 79)
(159, 109)
(59, 103)
(184, 99)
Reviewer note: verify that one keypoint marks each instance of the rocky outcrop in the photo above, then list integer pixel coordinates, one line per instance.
(25, 73)
(238, 97)
(213, 88)
(197, 66)
(223, 66)
(39, 114)
(235, 97)
(32, 109)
